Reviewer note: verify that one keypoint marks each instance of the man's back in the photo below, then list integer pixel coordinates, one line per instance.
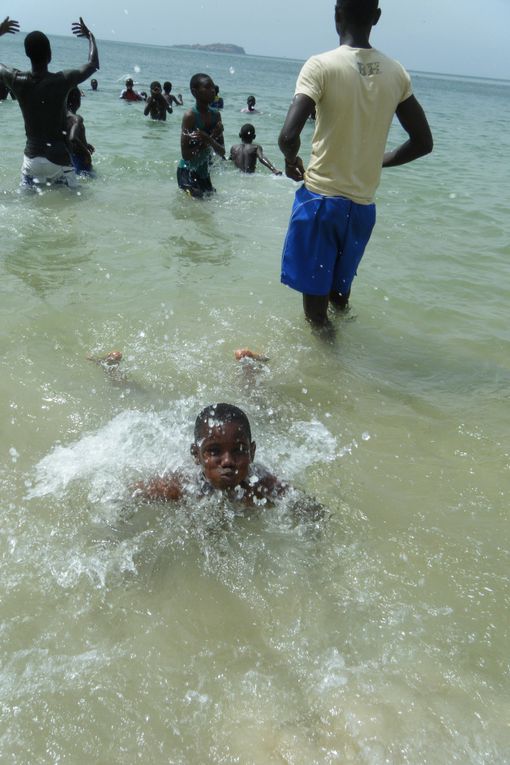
(42, 99)
(356, 92)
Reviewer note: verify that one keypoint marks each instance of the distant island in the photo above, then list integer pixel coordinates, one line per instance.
(215, 48)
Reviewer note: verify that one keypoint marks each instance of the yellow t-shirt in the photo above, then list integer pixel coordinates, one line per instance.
(356, 92)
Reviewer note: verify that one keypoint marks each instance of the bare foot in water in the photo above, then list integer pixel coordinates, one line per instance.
(246, 353)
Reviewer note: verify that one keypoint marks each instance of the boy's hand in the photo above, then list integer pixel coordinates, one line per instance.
(80, 29)
(9, 27)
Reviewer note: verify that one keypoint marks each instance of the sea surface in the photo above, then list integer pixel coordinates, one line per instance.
(162, 634)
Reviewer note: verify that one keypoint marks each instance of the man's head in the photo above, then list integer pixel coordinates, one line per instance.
(93, 84)
(222, 445)
(129, 83)
(251, 102)
(247, 133)
(358, 13)
(38, 48)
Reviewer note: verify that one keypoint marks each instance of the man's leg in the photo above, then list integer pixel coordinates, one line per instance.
(316, 309)
(339, 301)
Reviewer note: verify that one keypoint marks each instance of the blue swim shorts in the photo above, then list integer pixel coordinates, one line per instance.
(325, 242)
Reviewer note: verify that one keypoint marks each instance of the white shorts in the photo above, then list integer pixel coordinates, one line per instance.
(39, 171)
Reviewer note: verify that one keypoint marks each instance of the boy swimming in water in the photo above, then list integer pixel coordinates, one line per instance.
(224, 452)
(202, 134)
(245, 154)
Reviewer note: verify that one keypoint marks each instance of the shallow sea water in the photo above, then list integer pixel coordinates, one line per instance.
(189, 635)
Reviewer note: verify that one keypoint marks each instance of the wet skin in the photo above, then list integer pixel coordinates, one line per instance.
(225, 454)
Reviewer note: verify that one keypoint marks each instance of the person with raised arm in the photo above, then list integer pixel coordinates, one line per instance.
(42, 96)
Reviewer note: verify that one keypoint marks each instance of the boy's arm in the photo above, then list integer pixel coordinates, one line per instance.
(189, 139)
(289, 141)
(412, 118)
(263, 159)
(148, 106)
(164, 488)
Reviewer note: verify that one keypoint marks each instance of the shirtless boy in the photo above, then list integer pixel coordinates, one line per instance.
(81, 150)
(157, 105)
(42, 97)
(201, 135)
(245, 154)
(224, 453)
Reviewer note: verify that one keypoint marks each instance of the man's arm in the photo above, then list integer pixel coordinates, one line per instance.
(80, 29)
(289, 141)
(412, 118)
(9, 26)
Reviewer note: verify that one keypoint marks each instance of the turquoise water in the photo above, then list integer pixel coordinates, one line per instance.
(141, 633)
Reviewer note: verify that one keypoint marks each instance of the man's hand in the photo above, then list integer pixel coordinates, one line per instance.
(9, 27)
(80, 29)
(295, 169)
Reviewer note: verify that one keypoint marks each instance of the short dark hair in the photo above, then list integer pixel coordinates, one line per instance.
(357, 11)
(195, 80)
(247, 133)
(37, 47)
(155, 84)
(167, 85)
(217, 414)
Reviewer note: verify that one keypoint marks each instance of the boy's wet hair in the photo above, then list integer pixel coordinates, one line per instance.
(357, 11)
(167, 86)
(129, 81)
(217, 414)
(155, 84)
(247, 133)
(195, 80)
(37, 47)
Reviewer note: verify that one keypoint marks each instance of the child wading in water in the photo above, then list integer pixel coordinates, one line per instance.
(245, 154)
(81, 151)
(157, 105)
(224, 452)
(202, 134)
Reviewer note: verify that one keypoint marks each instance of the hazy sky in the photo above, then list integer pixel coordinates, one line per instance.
(467, 37)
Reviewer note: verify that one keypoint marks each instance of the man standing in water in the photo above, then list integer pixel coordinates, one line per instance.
(355, 91)
(42, 97)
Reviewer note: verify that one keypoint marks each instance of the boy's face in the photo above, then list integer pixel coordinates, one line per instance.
(156, 90)
(225, 454)
(204, 92)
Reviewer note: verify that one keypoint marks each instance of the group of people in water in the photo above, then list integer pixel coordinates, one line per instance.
(352, 92)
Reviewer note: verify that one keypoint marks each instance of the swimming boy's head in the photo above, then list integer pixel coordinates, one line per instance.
(247, 133)
(167, 87)
(360, 13)
(223, 446)
(251, 102)
(129, 83)
(93, 84)
(74, 100)
(155, 87)
(38, 48)
(202, 88)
